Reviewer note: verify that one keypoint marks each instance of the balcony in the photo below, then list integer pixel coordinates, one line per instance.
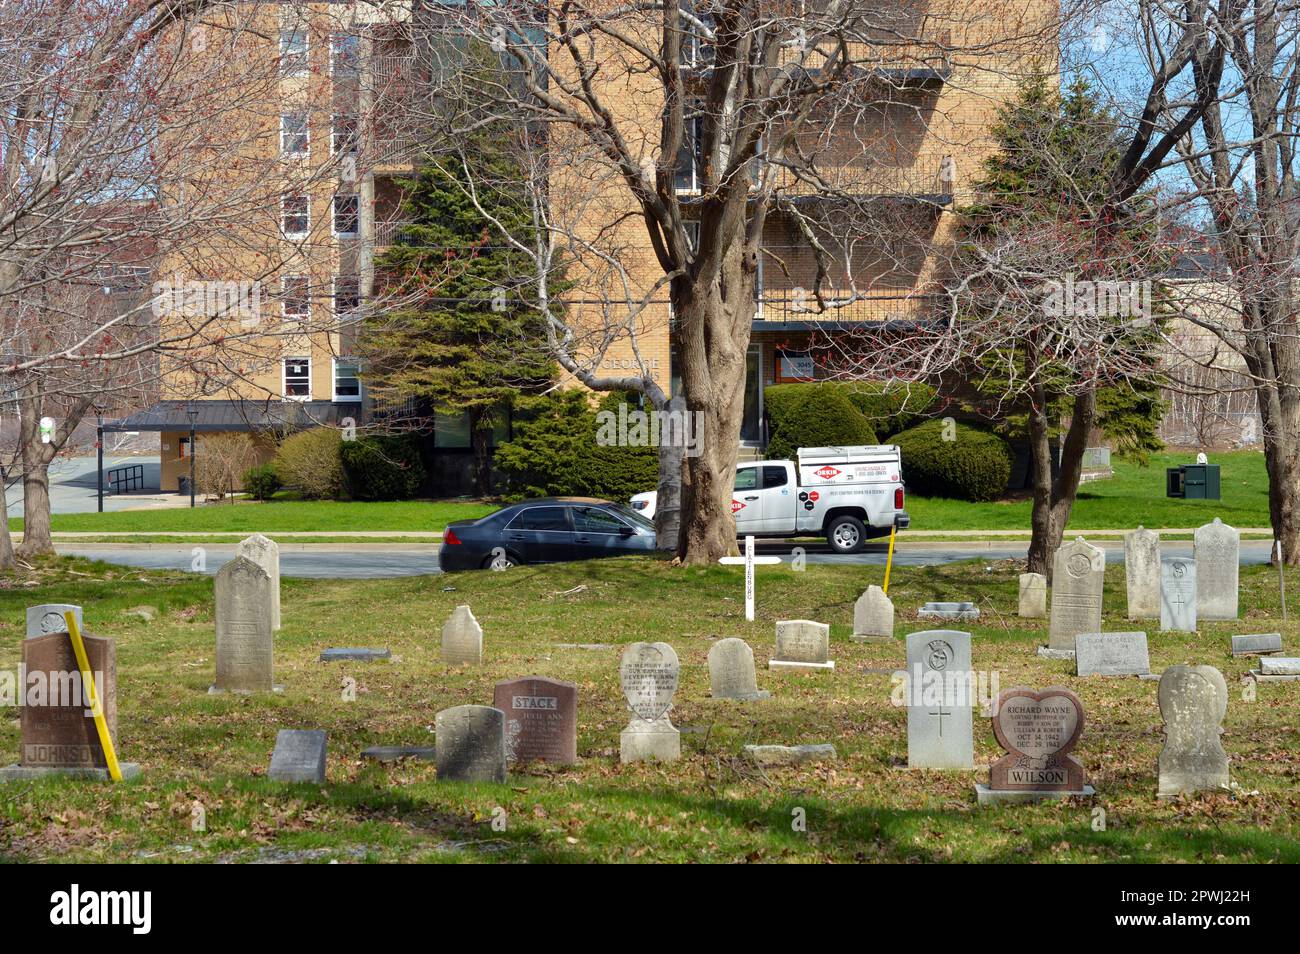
(389, 233)
(782, 311)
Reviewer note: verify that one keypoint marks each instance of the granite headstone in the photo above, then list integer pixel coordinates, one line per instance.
(1217, 549)
(1142, 573)
(1193, 702)
(471, 744)
(541, 719)
(939, 690)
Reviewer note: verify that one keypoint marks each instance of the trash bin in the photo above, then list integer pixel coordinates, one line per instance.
(183, 486)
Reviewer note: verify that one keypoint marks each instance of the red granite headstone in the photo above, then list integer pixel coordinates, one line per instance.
(1038, 729)
(59, 731)
(541, 719)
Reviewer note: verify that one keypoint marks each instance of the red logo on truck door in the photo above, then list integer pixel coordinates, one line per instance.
(827, 472)
(737, 506)
(813, 496)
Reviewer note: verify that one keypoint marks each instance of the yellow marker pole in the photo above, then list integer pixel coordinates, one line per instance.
(92, 693)
(889, 561)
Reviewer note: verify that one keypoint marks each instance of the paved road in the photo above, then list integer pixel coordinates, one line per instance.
(74, 486)
(344, 561)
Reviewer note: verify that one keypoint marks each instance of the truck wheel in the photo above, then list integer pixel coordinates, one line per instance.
(846, 534)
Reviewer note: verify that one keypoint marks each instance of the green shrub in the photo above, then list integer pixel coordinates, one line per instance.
(262, 481)
(310, 463)
(821, 416)
(382, 468)
(890, 406)
(976, 465)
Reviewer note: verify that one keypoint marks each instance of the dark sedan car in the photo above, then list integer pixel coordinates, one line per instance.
(549, 530)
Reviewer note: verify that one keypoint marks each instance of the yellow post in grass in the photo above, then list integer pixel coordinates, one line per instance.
(92, 694)
(889, 561)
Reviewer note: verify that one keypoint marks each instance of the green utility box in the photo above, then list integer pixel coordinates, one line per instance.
(1193, 482)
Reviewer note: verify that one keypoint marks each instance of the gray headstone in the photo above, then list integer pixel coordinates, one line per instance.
(355, 654)
(1257, 644)
(1142, 573)
(471, 744)
(1279, 665)
(462, 638)
(953, 610)
(1077, 577)
(648, 674)
(940, 700)
(802, 644)
(48, 618)
(264, 551)
(245, 645)
(789, 754)
(299, 756)
(1096, 458)
(1111, 654)
(1033, 596)
(1193, 702)
(873, 614)
(731, 671)
(1218, 554)
(1178, 587)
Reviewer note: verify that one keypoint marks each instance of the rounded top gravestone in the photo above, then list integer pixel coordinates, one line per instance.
(1193, 702)
(648, 673)
(1038, 729)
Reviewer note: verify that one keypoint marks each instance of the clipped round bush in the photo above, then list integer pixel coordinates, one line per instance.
(974, 465)
(821, 416)
(310, 463)
(262, 482)
(890, 406)
(382, 468)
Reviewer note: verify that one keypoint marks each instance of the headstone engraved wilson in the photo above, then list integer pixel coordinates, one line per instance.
(939, 687)
(1077, 575)
(1193, 702)
(1142, 573)
(648, 673)
(1038, 729)
(245, 644)
(1033, 596)
(731, 671)
(541, 719)
(1111, 654)
(471, 744)
(48, 618)
(264, 551)
(802, 644)
(873, 615)
(462, 638)
(1217, 549)
(1178, 601)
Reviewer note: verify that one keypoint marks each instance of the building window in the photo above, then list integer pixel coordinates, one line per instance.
(297, 379)
(347, 380)
(689, 157)
(347, 295)
(293, 51)
(295, 215)
(345, 54)
(347, 213)
(296, 296)
(343, 131)
(294, 134)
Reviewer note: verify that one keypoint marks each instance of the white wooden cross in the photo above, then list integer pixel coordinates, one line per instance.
(749, 560)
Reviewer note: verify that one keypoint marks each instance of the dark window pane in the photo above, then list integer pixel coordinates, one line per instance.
(542, 518)
(589, 520)
(774, 477)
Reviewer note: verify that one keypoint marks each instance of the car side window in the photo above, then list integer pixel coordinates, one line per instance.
(541, 518)
(591, 520)
(774, 477)
(746, 479)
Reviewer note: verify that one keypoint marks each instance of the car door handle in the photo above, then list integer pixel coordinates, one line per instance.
(516, 536)
(581, 539)
(755, 497)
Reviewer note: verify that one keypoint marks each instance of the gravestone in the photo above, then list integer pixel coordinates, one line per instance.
(940, 700)
(1096, 458)
(355, 654)
(1279, 665)
(1193, 702)
(245, 645)
(265, 552)
(648, 674)
(779, 755)
(1038, 729)
(1217, 549)
(1257, 644)
(1033, 596)
(1178, 601)
(953, 610)
(1077, 575)
(471, 744)
(873, 616)
(48, 618)
(802, 644)
(731, 671)
(299, 756)
(462, 638)
(1111, 654)
(1142, 573)
(57, 733)
(394, 753)
(541, 719)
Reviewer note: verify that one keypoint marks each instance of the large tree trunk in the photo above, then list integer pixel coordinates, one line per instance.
(668, 493)
(480, 439)
(36, 504)
(1274, 368)
(1054, 499)
(6, 541)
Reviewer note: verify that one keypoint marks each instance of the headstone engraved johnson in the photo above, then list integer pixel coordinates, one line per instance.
(731, 671)
(1077, 575)
(1111, 654)
(939, 690)
(873, 615)
(541, 719)
(1193, 702)
(1038, 729)
(1178, 585)
(265, 552)
(1033, 596)
(462, 638)
(802, 644)
(1142, 573)
(245, 644)
(48, 618)
(648, 673)
(471, 744)
(1218, 554)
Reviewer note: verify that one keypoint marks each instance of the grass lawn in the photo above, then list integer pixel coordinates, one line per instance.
(710, 806)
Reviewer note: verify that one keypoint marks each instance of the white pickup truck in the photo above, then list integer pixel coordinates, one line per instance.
(846, 494)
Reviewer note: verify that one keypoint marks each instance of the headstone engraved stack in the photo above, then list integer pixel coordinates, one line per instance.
(1111, 654)
(1033, 596)
(264, 551)
(1142, 573)
(873, 617)
(299, 756)
(471, 744)
(48, 618)
(940, 700)
(245, 644)
(648, 673)
(1217, 549)
(1038, 730)
(1178, 600)
(541, 719)
(731, 671)
(802, 644)
(1077, 575)
(462, 638)
(1193, 702)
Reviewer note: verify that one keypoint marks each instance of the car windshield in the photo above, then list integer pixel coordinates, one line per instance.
(632, 517)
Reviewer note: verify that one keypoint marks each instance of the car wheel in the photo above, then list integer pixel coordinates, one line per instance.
(500, 560)
(846, 534)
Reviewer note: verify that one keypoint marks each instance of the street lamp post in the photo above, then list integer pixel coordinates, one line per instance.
(193, 415)
(99, 452)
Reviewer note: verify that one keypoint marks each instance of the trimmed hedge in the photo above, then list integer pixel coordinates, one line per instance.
(382, 468)
(887, 406)
(975, 466)
(310, 463)
(817, 416)
(261, 482)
